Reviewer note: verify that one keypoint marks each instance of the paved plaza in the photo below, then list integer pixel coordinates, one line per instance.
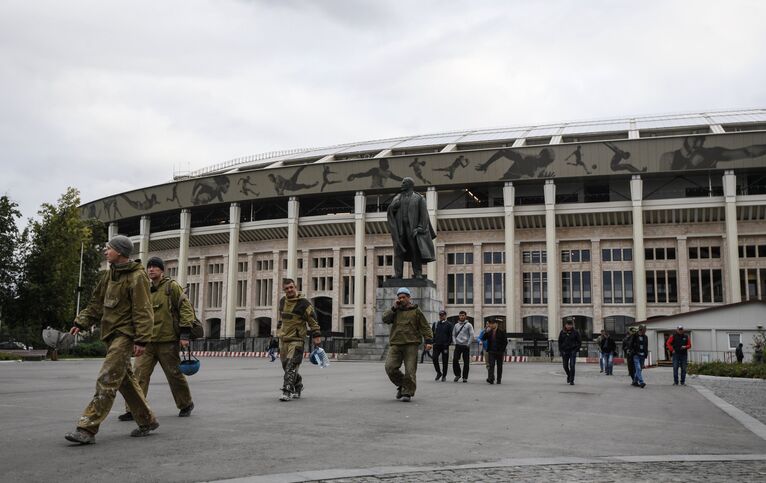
(349, 427)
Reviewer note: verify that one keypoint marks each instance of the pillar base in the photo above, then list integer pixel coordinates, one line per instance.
(424, 294)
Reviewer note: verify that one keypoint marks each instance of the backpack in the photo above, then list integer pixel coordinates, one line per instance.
(197, 329)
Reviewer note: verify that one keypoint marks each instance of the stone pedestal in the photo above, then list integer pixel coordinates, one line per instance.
(424, 294)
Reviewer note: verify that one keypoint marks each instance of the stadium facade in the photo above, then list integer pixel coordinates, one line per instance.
(608, 222)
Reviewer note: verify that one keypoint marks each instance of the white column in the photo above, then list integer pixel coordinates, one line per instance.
(478, 288)
(359, 235)
(292, 237)
(509, 202)
(732, 237)
(184, 233)
(371, 275)
(639, 270)
(335, 322)
(682, 254)
(231, 279)
(554, 324)
(276, 290)
(432, 203)
(596, 277)
(144, 231)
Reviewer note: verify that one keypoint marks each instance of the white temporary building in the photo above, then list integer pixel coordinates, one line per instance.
(715, 331)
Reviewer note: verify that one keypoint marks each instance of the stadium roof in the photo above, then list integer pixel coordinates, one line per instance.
(713, 122)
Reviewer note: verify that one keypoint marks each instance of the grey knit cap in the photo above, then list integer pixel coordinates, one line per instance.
(122, 245)
(156, 262)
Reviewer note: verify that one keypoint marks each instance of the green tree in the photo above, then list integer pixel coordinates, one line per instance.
(47, 294)
(9, 261)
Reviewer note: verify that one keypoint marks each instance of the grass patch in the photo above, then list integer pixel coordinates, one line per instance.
(9, 357)
(724, 369)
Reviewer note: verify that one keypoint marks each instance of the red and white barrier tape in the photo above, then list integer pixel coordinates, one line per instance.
(245, 354)
(505, 358)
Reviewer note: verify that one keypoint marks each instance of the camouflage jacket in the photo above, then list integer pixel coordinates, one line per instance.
(122, 304)
(408, 326)
(168, 308)
(294, 315)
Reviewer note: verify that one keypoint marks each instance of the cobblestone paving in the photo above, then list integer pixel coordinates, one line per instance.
(747, 395)
(599, 472)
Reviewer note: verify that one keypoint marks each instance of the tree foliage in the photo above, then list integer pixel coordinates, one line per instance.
(46, 292)
(9, 263)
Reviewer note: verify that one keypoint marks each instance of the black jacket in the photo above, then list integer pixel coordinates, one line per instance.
(608, 345)
(442, 332)
(499, 343)
(569, 341)
(626, 343)
(639, 346)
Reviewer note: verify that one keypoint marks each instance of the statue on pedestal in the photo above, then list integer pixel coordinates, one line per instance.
(411, 230)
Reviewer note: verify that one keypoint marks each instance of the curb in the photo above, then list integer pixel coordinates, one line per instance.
(729, 379)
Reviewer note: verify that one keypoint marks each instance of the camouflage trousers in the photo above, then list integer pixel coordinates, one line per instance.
(407, 354)
(291, 356)
(116, 375)
(166, 353)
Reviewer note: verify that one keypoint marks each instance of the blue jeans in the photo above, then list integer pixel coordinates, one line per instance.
(569, 359)
(638, 361)
(608, 362)
(601, 361)
(679, 360)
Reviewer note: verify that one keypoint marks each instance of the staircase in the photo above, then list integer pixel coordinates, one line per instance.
(364, 351)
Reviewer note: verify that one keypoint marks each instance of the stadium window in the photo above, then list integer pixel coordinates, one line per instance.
(618, 287)
(706, 285)
(534, 287)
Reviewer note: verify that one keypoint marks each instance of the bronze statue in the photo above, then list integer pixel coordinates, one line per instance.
(411, 230)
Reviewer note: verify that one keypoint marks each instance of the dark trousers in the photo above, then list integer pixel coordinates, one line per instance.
(495, 360)
(443, 351)
(569, 359)
(424, 354)
(679, 360)
(464, 352)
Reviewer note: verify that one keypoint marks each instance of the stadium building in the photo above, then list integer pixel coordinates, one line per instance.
(608, 222)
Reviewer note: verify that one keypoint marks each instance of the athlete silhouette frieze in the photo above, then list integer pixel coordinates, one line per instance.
(282, 184)
(693, 154)
(459, 162)
(617, 164)
(147, 203)
(417, 167)
(244, 186)
(523, 165)
(379, 174)
(326, 172)
(577, 153)
(207, 190)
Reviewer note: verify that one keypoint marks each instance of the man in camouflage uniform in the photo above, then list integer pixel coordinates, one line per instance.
(173, 317)
(122, 304)
(408, 327)
(295, 313)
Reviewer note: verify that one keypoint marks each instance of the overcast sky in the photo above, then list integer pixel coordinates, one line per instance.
(111, 96)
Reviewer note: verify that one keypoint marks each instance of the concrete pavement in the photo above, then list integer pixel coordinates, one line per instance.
(349, 420)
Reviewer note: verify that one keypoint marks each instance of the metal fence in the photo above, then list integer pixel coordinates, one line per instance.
(711, 356)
